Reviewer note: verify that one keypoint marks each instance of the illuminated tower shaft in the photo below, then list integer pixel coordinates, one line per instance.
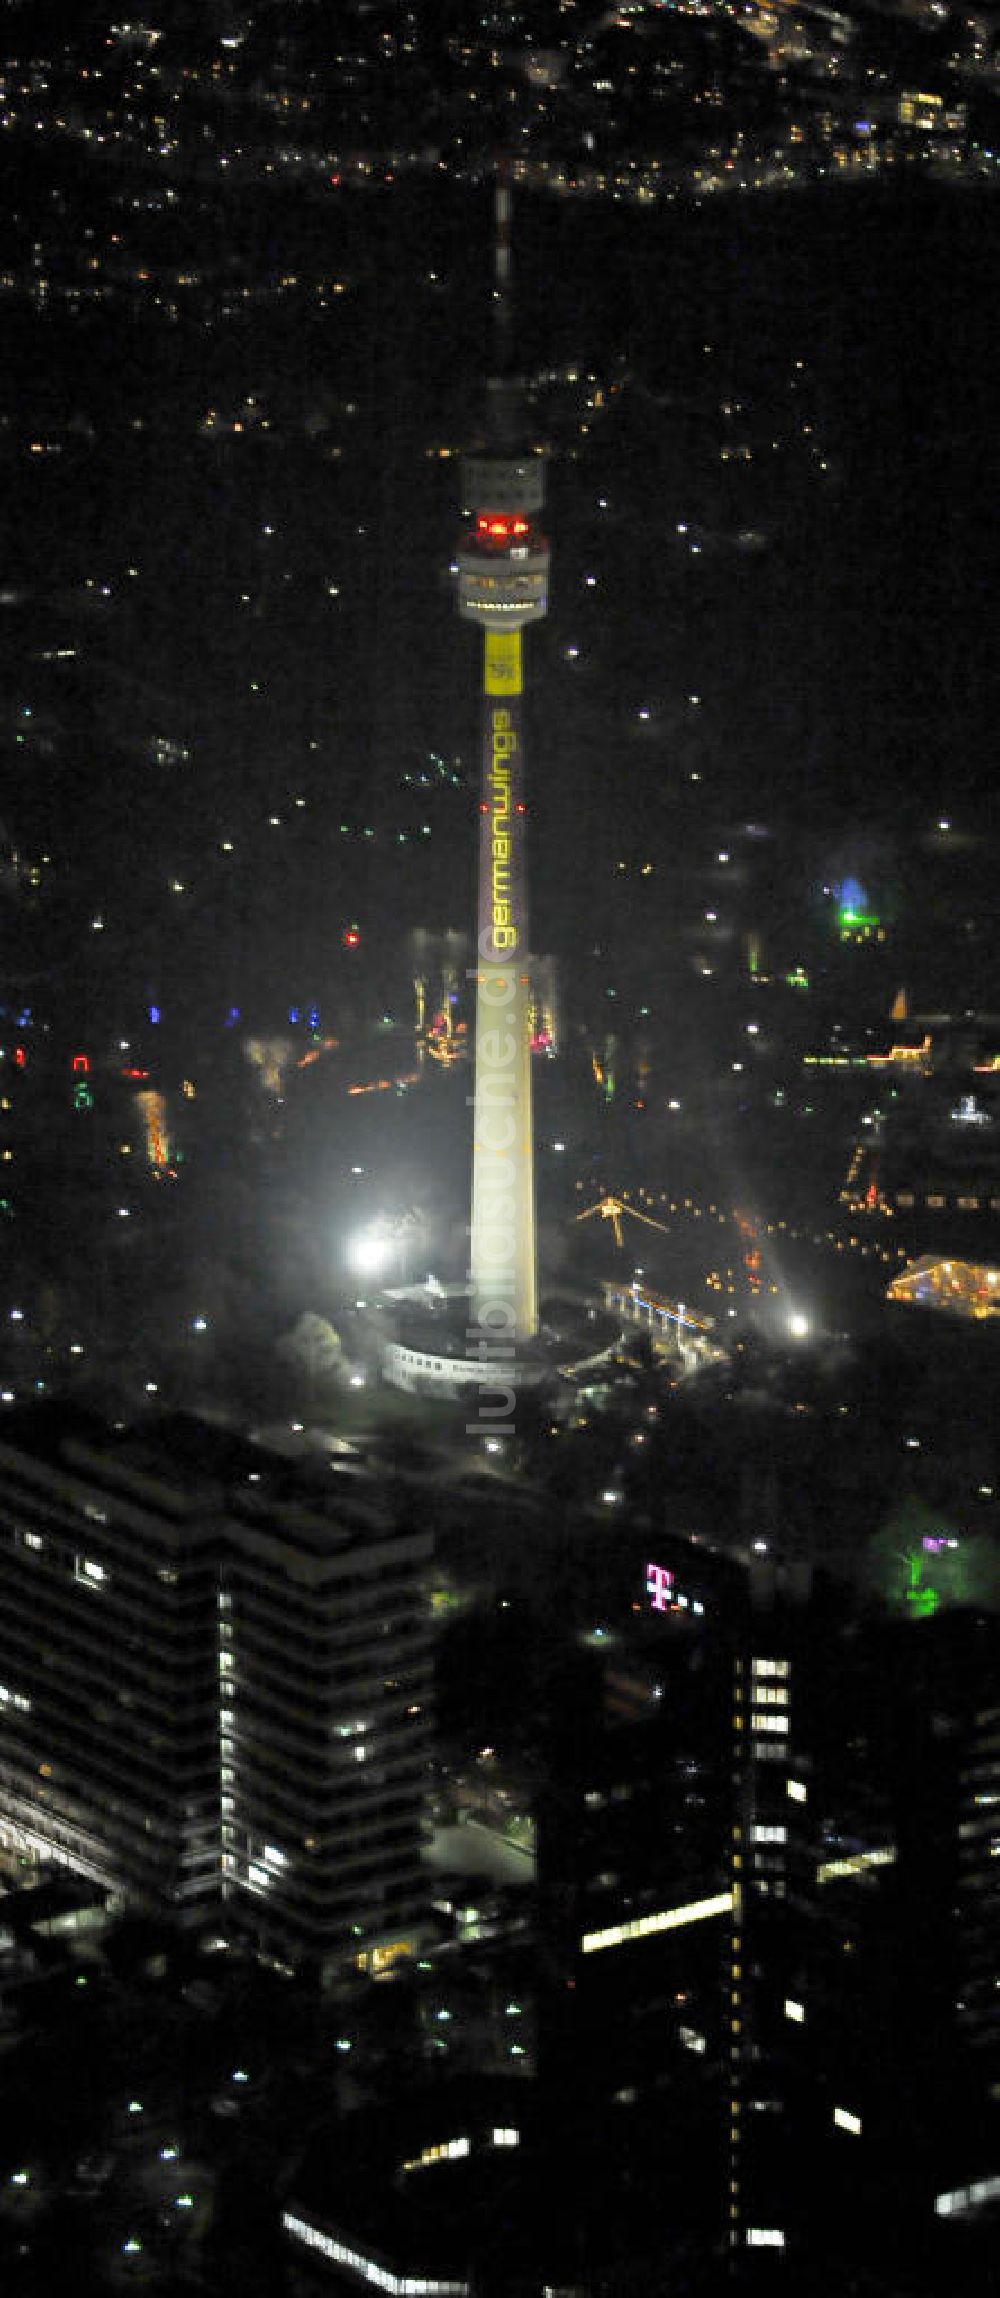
(503, 564)
(503, 583)
(503, 1262)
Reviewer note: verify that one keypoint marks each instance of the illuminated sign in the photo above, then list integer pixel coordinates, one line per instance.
(504, 744)
(501, 888)
(502, 662)
(660, 1588)
(665, 1595)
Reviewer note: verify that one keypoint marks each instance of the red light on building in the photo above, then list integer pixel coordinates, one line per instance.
(20, 1057)
(350, 937)
(81, 1064)
(501, 526)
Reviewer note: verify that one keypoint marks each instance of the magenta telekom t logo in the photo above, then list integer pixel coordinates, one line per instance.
(659, 1588)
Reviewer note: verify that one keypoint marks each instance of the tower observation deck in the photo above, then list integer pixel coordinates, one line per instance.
(503, 563)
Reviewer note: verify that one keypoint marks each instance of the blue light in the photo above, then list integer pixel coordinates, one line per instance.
(313, 1017)
(232, 1016)
(293, 1013)
(851, 894)
(154, 1013)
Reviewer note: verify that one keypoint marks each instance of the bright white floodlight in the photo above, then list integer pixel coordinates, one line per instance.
(370, 1253)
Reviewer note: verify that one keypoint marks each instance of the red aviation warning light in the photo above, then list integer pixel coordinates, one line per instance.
(501, 526)
(350, 938)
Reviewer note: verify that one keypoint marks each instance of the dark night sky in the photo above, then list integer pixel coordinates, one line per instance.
(847, 673)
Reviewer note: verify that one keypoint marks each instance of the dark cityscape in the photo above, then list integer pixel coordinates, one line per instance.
(499, 1149)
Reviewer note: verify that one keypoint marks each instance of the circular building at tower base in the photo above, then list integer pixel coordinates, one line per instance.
(432, 1350)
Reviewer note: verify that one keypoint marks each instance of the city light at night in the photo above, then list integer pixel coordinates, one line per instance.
(499, 1739)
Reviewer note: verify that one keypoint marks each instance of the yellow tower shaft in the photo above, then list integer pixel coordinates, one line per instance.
(503, 1253)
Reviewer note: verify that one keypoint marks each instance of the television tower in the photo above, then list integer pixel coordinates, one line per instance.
(503, 564)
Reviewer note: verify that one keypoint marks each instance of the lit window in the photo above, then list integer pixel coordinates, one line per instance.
(796, 1790)
(967, 2197)
(845, 2120)
(450, 2150)
(646, 1926)
(795, 2011)
(89, 1573)
(855, 1863)
(367, 2269)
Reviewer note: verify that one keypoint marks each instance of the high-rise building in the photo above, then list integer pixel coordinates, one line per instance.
(863, 2030)
(214, 1683)
(324, 1714)
(108, 1696)
(502, 586)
